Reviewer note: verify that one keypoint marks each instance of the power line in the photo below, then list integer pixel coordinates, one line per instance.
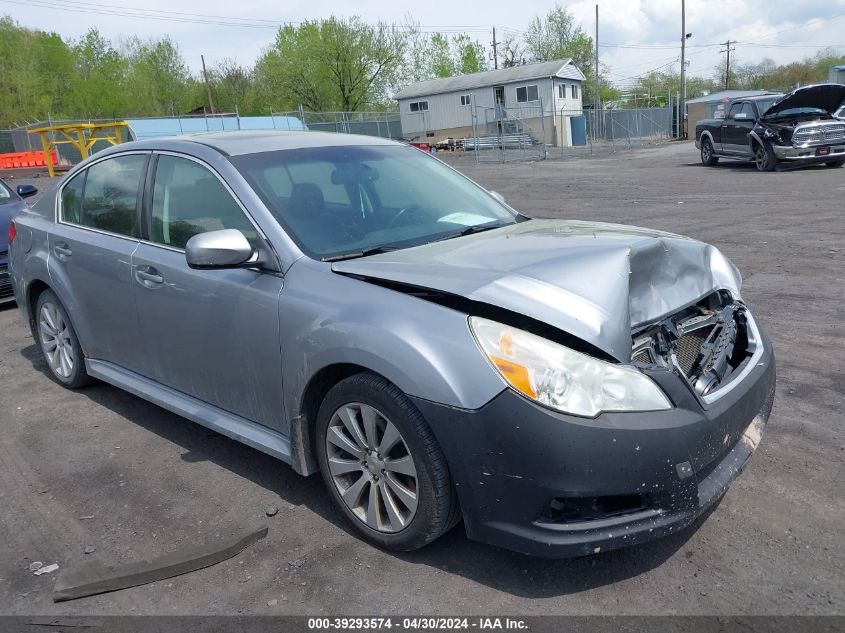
(78, 6)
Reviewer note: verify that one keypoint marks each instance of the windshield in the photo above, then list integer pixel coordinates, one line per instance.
(765, 104)
(801, 111)
(351, 200)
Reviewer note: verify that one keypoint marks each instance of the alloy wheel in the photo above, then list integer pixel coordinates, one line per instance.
(372, 467)
(706, 152)
(56, 341)
(760, 159)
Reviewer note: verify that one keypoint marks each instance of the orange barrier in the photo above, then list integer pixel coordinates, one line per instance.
(16, 160)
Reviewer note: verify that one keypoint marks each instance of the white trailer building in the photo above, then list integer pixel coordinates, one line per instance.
(443, 108)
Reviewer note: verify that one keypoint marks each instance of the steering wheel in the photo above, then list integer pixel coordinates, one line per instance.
(409, 209)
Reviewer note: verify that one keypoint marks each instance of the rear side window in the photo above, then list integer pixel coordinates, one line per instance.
(110, 196)
(72, 198)
(188, 199)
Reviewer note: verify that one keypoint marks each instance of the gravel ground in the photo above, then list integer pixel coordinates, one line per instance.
(103, 468)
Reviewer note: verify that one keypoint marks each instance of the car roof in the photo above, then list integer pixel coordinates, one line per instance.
(760, 97)
(240, 142)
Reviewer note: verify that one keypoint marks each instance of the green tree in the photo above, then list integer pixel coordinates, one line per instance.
(101, 90)
(468, 56)
(440, 62)
(558, 36)
(233, 88)
(38, 74)
(333, 64)
(160, 80)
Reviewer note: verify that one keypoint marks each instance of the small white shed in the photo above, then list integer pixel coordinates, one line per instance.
(443, 108)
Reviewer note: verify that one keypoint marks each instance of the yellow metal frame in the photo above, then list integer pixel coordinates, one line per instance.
(81, 135)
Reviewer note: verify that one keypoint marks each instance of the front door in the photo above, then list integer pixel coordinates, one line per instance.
(212, 334)
(738, 124)
(90, 254)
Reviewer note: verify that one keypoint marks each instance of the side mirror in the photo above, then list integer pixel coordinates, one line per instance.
(25, 191)
(498, 196)
(226, 248)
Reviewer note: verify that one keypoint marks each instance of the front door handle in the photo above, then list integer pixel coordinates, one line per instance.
(62, 250)
(148, 276)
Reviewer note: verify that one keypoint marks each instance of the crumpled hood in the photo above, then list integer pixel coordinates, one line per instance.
(593, 280)
(828, 97)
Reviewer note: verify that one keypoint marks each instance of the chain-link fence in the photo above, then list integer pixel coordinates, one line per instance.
(588, 131)
(501, 134)
(382, 124)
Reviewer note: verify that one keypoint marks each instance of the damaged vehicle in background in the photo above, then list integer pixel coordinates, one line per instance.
(562, 387)
(800, 129)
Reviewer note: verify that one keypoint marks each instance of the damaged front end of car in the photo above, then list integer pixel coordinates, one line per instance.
(638, 381)
(710, 343)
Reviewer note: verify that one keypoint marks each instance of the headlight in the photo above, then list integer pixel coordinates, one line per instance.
(564, 379)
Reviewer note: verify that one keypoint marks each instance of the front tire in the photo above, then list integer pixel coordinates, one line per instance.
(764, 157)
(59, 343)
(708, 155)
(382, 465)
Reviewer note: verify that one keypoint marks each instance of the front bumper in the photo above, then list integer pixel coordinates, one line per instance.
(808, 154)
(511, 459)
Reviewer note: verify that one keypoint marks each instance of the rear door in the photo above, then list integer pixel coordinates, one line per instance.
(211, 334)
(91, 248)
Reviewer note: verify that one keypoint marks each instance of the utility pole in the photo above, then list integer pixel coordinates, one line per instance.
(597, 100)
(495, 53)
(207, 86)
(728, 51)
(683, 98)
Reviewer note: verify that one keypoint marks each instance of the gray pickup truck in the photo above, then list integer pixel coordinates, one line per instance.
(799, 128)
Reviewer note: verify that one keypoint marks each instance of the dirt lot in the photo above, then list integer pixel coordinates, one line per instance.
(152, 482)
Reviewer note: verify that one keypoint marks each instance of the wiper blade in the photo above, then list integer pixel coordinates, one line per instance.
(475, 228)
(364, 253)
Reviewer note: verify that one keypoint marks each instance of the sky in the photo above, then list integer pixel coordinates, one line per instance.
(635, 36)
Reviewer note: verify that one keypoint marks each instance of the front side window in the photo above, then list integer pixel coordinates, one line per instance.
(188, 199)
(110, 195)
(72, 198)
(735, 108)
(335, 201)
(527, 93)
(748, 110)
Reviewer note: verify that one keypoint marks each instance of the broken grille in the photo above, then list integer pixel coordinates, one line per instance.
(689, 347)
(707, 343)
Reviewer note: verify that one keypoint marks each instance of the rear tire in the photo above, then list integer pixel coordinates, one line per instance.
(382, 465)
(835, 163)
(58, 342)
(764, 157)
(708, 155)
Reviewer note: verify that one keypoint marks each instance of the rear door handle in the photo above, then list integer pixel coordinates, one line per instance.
(62, 250)
(148, 276)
